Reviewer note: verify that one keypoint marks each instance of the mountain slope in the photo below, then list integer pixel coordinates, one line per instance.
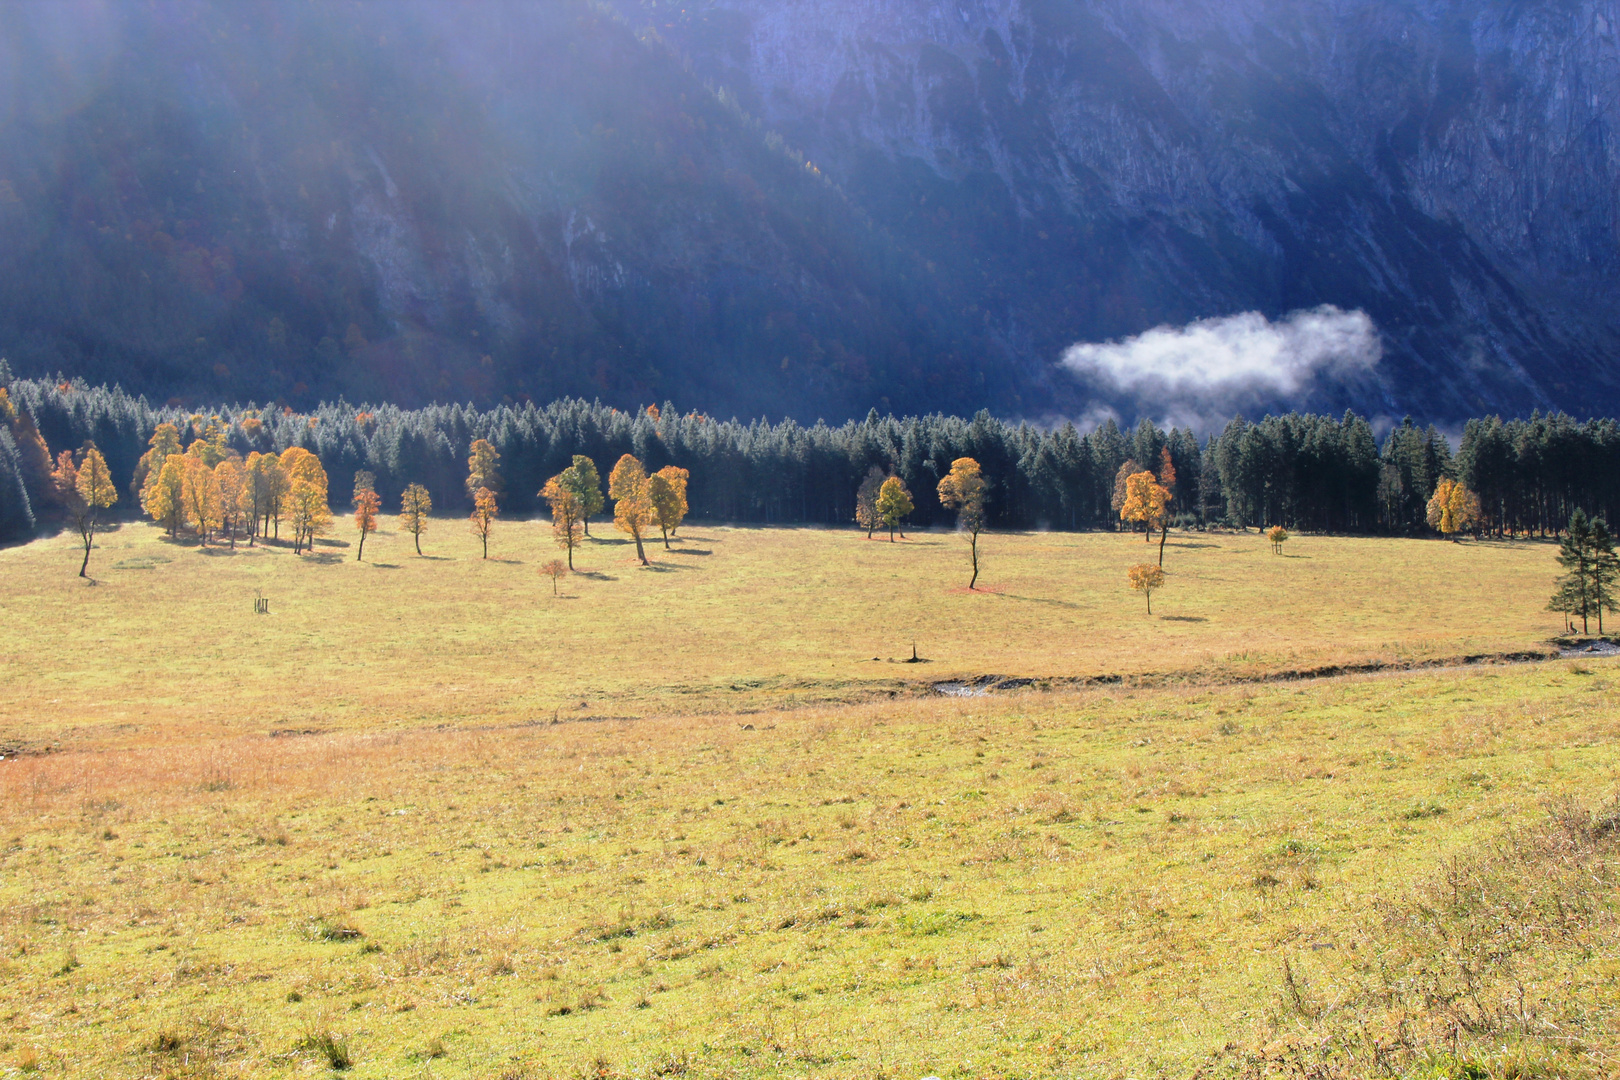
(803, 207)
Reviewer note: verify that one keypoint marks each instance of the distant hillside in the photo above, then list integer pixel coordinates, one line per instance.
(803, 207)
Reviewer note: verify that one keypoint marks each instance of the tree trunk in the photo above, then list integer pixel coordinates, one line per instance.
(570, 557)
(484, 536)
(1150, 601)
(666, 538)
(89, 538)
(1164, 532)
(360, 555)
(418, 538)
(640, 554)
(975, 549)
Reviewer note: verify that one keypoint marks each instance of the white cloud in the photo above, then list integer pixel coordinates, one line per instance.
(1225, 363)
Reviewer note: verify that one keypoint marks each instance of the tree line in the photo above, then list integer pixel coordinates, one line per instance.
(1305, 472)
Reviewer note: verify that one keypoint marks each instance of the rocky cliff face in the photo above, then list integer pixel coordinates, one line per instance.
(804, 206)
(1109, 164)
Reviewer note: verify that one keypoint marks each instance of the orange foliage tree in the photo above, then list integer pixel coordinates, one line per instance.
(964, 490)
(483, 516)
(555, 570)
(1453, 509)
(1146, 503)
(1278, 537)
(366, 504)
(306, 499)
(567, 513)
(632, 504)
(199, 492)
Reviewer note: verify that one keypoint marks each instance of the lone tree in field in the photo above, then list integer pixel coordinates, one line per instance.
(366, 505)
(483, 516)
(964, 490)
(1146, 503)
(866, 498)
(1278, 537)
(586, 482)
(482, 471)
(667, 490)
(555, 571)
(632, 504)
(84, 489)
(893, 504)
(414, 507)
(1453, 509)
(567, 515)
(1144, 578)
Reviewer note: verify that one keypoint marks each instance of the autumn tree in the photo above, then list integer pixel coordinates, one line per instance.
(585, 482)
(1144, 578)
(200, 494)
(666, 489)
(483, 515)
(893, 504)
(1453, 509)
(162, 495)
(307, 501)
(414, 507)
(84, 489)
(555, 571)
(482, 471)
(632, 503)
(366, 505)
(1278, 537)
(1121, 475)
(231, 476)
(1146, 504)
(567, 512)
(165, 441)
(964, 490)
(866, 497)
(264, 492)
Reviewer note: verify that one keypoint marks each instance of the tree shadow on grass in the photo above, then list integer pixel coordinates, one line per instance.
(215, 552)
(436, 558)
(327, 542)
(1190, 547)
(1182, 618)
(386, 565)
(611, 541)
(595, 575)
(689, 551)
(325, 558)
(666, 568)
(1041, 600)
(505, 562)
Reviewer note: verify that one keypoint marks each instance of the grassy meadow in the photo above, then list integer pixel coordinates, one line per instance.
(426, 820)
(729, 619)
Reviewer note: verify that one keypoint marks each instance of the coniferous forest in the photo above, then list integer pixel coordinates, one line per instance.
(1309, 472)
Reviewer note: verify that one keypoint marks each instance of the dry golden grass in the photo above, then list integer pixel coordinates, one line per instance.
(1098, 883)
(352, 833)
(731, 619)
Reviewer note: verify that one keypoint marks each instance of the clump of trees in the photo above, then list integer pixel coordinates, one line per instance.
(1586, 554)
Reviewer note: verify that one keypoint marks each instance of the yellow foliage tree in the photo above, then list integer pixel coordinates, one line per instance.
(84, 489)
(632, 503)
(200, 494)
(485, 510)
(866, 497)
(567, 514)
(482, 471)
(162, 496)
(893, 504)
(165, 441)
(667, 490)
(964, 490)
(1453, 509)
(1145, 578)
(307, 501)
(232, 477)
(414, 507)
